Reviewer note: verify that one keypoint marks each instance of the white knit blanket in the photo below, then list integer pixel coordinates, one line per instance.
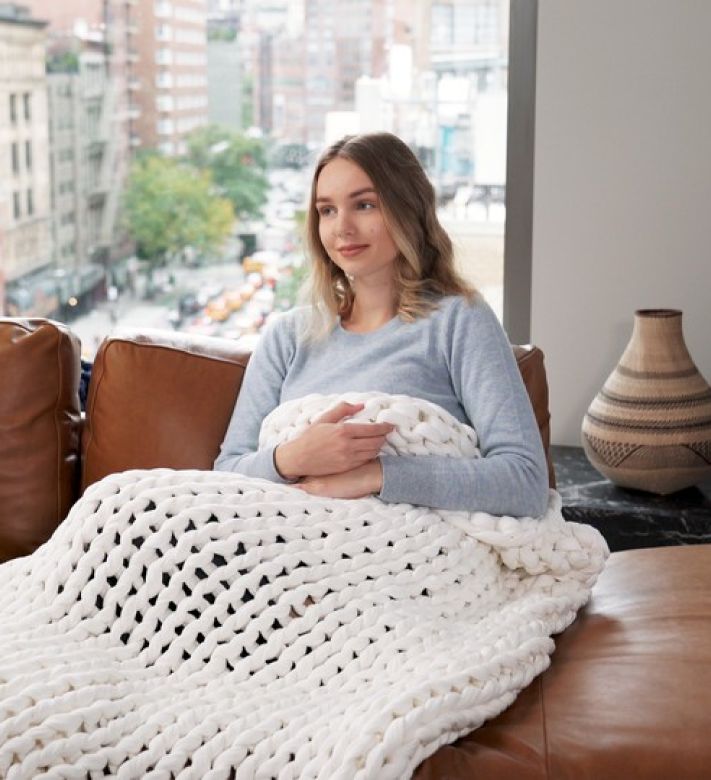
(207, 625)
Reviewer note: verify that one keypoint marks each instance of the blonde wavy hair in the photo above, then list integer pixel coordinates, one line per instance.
(424, 269)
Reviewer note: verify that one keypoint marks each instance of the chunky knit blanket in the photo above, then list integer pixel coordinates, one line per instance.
(203, 625)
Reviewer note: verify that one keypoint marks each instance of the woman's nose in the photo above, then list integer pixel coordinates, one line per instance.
(344, 225)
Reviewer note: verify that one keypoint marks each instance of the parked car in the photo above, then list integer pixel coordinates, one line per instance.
(234, 300)
(218, 309)
(189, 304)
(209, 293)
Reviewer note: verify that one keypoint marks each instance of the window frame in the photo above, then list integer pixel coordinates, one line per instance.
(520, 151)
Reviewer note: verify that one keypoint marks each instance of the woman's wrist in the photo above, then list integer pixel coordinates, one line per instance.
(282, 464)
(375, 476)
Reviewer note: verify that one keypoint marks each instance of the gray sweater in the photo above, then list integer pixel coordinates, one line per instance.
(458, 357)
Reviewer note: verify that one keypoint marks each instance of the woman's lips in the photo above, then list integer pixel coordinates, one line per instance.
(352, 249)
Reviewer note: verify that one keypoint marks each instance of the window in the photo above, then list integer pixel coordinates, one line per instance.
(16, 210)
(435, 73)
(164, 79)
(164, 32)
(442, 24)
(163, 9)
(164, 56)
(30, 203)
(165, 102)
(166, 127)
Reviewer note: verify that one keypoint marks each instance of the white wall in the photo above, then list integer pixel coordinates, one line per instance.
(622, 193)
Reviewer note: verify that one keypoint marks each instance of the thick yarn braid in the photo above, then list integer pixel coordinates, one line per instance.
(206, 625)
(421, 427)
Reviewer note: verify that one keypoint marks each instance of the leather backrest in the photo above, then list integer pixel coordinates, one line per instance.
(163, 400)
(159, 399)
(40, 421)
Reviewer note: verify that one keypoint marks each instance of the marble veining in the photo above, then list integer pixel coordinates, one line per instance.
(627, 518)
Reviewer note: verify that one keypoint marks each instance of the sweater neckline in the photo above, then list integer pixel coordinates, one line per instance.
(391, 324)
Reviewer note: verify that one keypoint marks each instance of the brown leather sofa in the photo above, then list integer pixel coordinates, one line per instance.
(627, 693)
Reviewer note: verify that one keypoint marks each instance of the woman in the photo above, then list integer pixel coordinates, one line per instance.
(389, 313)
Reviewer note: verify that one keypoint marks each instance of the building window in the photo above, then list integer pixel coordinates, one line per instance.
(164, 79)
(30, 203)
(164, 56)
(166, 127)
(13, 109)
(165, 102)
(27, 102)
(164, 32)
(16, 210)
(163, 9)
(15, 158)
(442, 25)
(28, 155)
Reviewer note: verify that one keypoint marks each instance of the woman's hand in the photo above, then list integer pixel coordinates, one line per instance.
(362, 481)
(331, 446)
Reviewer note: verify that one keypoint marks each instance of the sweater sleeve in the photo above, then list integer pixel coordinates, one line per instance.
(511, 477)
(259, 395)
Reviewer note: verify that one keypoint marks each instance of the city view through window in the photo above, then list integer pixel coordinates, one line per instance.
(155, 155)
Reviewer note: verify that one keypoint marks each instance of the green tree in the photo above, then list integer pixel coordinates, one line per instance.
(238, 166)
(170, 205)
(62, 62)
(221, 33)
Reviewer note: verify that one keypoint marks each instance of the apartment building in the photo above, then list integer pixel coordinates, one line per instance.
(307, 57)
(89, 130)
(88, 170)
(157, 60)
(112, 24)
(171, 66)
(24, 178)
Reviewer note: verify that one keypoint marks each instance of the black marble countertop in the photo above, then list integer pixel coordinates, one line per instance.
(630, 518)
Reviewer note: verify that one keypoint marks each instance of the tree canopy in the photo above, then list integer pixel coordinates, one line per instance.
(238, 165)
(170, 206)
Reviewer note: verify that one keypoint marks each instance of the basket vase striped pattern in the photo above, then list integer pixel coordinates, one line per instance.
(649, 428)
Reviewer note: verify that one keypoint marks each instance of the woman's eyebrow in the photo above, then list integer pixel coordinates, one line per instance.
(354, 194)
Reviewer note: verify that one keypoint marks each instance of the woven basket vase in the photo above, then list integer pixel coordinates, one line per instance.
(649, 428)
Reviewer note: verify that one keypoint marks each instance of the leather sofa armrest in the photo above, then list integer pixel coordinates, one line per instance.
(40, 420)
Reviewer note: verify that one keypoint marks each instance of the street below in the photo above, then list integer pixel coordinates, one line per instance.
(135, 311)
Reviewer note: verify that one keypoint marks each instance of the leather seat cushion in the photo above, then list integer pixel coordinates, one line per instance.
(626, 695)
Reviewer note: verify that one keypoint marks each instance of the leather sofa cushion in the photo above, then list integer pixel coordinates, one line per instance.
(39, 431)
(158, 399)
(626, 695)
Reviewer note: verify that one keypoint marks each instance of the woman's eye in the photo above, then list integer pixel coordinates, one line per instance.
(326, 211)
(364, 205)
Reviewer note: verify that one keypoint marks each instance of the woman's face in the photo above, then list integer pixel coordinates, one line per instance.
(351, 224)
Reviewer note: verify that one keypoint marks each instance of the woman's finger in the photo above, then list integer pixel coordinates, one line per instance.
(339, 412)
(368, 430)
